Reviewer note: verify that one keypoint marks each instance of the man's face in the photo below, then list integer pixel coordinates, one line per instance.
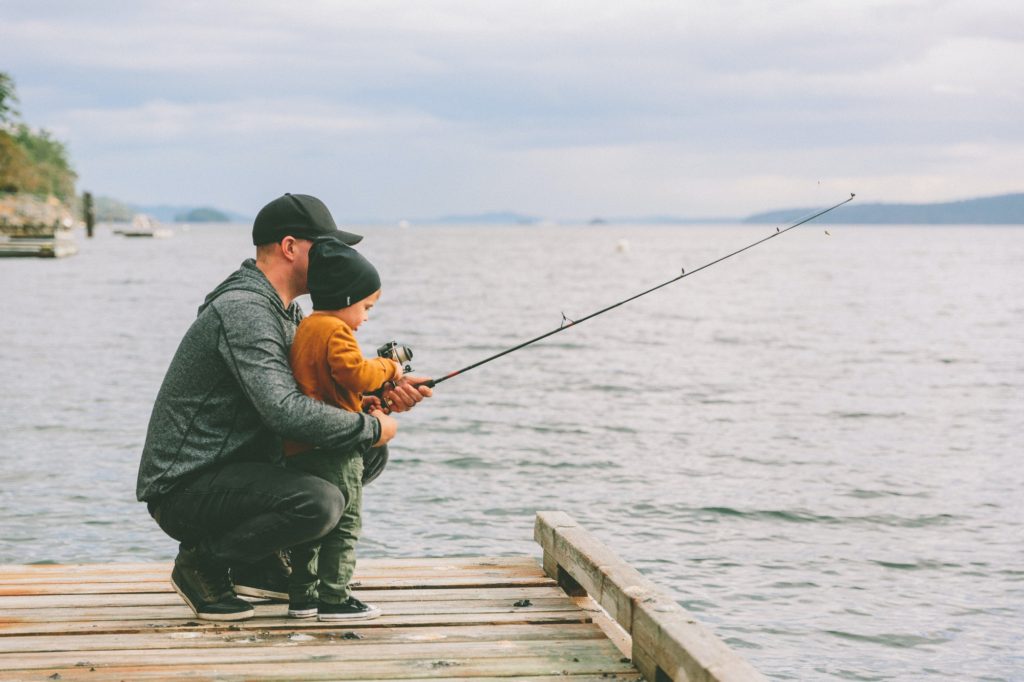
(298, 251)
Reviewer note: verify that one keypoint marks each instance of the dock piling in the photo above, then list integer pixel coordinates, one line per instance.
(88, 213)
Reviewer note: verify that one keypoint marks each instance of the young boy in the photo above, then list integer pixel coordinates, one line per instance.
(329, 366)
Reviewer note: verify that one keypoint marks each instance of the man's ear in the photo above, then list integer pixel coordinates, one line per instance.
(288, 248)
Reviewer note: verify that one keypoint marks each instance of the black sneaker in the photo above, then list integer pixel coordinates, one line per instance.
(267, 579)
(301, 608)
(205, 586)
(350, 609)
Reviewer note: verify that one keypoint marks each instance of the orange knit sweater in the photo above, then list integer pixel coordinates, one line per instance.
(329, 366)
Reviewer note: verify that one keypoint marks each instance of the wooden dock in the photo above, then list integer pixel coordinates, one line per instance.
(444, 618)
(58, 246)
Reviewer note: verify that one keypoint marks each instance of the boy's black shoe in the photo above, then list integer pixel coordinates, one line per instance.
(302, 608)
(205, 586)
(267, 579)
(350, 609)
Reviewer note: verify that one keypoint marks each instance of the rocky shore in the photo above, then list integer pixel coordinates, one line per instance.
(26, 215)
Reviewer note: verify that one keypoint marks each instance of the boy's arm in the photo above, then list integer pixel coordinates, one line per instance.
(253, 345)
(351, 370)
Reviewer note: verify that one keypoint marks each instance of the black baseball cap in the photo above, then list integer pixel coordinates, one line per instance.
(298, 215)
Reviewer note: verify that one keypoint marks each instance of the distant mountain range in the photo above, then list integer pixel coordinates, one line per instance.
(1006, 209)
(109, 210)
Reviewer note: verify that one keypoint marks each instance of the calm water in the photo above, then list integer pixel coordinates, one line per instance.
(815, 445)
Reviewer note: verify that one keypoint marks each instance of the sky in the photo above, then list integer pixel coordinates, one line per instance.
(559, 109)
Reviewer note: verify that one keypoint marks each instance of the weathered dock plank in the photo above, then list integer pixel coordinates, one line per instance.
(443, 619)
(538, 663)
(200, 639)
(112, 587)
(266, 611)
(12, 627)
(320, 648)
(170, 597)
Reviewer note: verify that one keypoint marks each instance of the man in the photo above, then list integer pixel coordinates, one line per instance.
(211, 471)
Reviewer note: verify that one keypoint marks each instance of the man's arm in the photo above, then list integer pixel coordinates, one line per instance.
(253, 345)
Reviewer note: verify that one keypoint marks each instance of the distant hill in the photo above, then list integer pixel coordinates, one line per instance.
(202, 215)
(1006, 209)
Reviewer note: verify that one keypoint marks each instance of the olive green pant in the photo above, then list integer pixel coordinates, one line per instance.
(323, 568)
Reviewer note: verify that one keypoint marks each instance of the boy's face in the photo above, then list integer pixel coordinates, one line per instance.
(359, 312)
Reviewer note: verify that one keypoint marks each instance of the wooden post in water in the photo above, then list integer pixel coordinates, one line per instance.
(668, 644)
(88, 213)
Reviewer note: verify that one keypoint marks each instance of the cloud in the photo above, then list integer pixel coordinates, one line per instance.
(605, 101)
(160, 122)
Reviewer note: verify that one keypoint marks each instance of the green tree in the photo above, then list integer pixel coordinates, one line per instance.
(30, 160)
(15, 168)
(49, 157)
(8, 98)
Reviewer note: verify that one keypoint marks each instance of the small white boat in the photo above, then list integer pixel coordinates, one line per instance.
(145, 226)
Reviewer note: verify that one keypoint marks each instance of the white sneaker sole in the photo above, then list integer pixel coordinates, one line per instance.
(302, 613)
(364, 615)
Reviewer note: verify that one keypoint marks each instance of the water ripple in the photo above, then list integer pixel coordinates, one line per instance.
(799, 516)
(896, 641)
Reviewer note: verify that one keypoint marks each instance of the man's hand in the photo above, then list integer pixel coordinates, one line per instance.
(406, 393)
(388, 427)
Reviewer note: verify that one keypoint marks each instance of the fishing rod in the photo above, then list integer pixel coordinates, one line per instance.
(403, 354)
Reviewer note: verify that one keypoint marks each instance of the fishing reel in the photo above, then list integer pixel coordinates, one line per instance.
(392, 350)
(400, 354)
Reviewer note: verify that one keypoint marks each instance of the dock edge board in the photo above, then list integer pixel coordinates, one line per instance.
(667, 641)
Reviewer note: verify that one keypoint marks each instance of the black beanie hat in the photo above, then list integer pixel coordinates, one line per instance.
(339, 275)
(298, 215)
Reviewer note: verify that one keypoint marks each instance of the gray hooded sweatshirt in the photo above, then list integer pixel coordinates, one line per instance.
(229, 394)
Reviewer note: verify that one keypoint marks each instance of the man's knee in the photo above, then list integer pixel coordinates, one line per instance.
(321, 508)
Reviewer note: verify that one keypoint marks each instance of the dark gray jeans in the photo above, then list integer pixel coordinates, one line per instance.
(246, 511)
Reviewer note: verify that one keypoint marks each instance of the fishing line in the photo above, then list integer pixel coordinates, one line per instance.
(567, 323)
